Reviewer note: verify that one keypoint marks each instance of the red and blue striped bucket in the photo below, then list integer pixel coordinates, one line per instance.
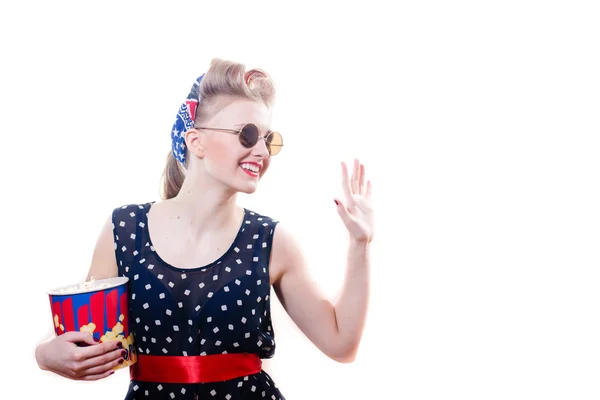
(103, 312)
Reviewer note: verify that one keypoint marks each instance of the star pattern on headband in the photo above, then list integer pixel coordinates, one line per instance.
(185, 121)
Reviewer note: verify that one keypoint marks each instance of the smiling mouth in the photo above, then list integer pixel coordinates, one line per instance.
(250, 169)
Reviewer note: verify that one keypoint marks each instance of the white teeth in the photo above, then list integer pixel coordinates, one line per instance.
(250, 167)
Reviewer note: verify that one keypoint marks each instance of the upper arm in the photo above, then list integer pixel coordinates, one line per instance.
(104, 262)
(300, 296)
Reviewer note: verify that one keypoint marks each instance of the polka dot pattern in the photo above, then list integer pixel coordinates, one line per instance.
(219, 308)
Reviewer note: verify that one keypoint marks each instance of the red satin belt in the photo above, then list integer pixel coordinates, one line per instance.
(194, 369)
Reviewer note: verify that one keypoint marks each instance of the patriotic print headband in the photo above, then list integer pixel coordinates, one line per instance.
(185, 121)
(187, 114)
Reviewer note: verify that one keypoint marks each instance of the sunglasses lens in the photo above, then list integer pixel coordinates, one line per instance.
(249, 135)
(274, 142)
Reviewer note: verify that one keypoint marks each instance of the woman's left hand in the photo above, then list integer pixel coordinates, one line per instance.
(356, 212)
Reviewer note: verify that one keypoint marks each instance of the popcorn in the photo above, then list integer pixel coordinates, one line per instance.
(85, 286)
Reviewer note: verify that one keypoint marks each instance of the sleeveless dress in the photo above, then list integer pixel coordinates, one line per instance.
(220, 308)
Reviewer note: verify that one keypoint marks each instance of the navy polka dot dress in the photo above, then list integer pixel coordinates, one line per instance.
(220, 308)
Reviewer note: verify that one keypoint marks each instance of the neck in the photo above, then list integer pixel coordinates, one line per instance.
(205, 205)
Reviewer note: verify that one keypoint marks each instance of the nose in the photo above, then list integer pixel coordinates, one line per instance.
(260, 148)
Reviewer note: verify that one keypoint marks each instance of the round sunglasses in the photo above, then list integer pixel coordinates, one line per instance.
(249, 136)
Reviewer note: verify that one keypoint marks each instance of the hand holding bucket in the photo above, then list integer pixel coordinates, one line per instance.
(98, 307)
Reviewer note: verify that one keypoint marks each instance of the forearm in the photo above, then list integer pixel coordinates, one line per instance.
(351, 308)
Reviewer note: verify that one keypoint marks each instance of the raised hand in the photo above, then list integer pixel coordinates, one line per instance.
(356, 211)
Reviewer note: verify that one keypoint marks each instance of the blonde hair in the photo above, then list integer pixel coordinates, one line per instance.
(223, 78)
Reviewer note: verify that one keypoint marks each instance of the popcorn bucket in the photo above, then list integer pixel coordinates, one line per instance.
(98, 307)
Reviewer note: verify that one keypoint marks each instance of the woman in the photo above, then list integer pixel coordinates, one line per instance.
(201, 267)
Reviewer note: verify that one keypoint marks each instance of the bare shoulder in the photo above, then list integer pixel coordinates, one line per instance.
(104, 263)
(117, 228)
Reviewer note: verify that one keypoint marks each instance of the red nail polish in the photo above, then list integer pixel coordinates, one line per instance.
(336, 203)
(121, 361)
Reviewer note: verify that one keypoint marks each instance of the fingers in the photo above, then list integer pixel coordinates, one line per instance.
(98, 376)
(355, 176)
(97, 363)
(369, 190)
(345, 181)
(79, 337)
(356, 183)
(361, 179)
(97, 367)
(341, 208)
(100, 349)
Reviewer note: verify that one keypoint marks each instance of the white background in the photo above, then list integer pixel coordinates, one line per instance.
(478, 123)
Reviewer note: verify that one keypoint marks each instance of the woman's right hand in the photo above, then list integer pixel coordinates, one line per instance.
(65, 356)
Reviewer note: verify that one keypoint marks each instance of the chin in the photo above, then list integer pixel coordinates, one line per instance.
(249, 190)
(245, 188)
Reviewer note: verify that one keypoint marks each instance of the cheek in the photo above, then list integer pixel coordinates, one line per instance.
(265, 167)
(220, 152)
